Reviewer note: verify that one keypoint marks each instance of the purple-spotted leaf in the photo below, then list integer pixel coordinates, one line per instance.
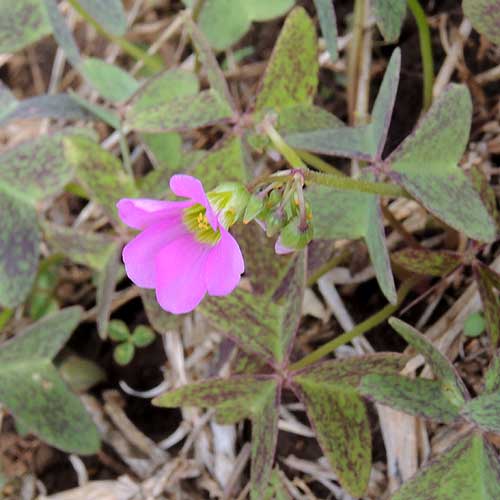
(254, 322)
(234, 398)
(89, 249)
(421, 397)
(328, 24)
(426, 162)
(263, 267)
(427, 262)
(389, 15)
(486, 191)
(22, 23)
(490, 300)
(365, 142)
(100, 172)
(161, 320)
(341, 425)
(292, 74)
(181, 113)
(485, 17)
(319, 253)
(441, 367)
(484, 411)
(264, 440)
(468, 470)
(492, 377)
(348, 372)
(31, 388)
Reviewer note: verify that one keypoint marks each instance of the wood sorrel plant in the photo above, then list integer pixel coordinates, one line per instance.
(275, 230)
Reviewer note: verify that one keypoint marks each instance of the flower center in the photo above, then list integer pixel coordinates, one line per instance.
(196, 221)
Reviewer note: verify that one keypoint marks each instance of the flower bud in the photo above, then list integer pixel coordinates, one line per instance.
(294, 237)
(254, 208)
(230, 201)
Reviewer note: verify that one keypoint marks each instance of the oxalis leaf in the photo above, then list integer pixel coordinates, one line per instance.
(468, 470)
(484, 411)
(427, 164)
(441, 367)
(339, 214)
(108, 13)
(389, 15)
(485, 17)
(424, 261)
(338, 415)
(224, 22)
(31, 388)
(28, 172)
(21, 23)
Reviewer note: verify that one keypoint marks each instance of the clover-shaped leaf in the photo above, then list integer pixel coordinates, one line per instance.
(31, 388)
(485, 17)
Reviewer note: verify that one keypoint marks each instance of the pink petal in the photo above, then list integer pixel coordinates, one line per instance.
(190, 187)
(140, 253)
(141, 212)
(224, 265)
(180, 286)
(280, 249)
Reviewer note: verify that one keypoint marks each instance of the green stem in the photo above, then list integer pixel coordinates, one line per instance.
(288, 152)
(127, 47)
(358, 330)
(424, 35)
(350, 184)
(317, 162)
(127, 162)
(5, 315)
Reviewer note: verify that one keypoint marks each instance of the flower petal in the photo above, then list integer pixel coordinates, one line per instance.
(224, 265)
(139, 213)
(139, 254)
(180, 286)
(190, 187)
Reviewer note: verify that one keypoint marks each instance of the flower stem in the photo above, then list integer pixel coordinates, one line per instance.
(350, 184)
(358, 330)
(279, 143)
(127, 47)
(317, 162)
(424, 35)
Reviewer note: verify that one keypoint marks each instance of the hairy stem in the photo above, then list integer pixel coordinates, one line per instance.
(424, 36)
(358, 330)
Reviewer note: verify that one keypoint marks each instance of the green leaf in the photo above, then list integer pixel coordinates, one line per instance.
(181, 113)
(8, 102)
(469, 470)
(254, 322)
(490, 300)
(484, 411)
(342, 429)
(352, 215)
(474, 325)
(58, 106)
(19, 243)
(61, 33)
(328, 23)
(292, 74)
(41, 301)
(118, 331)
(108, 13)
(21, 23)
(427, 164)
(427, 262)
(164, 150)
(484, 16)
(441, 367)
(224, 164)
(111, 82)
(224, 22)
(106, 115)
(100, 172)
(89, 249)
(264, 441)
(234, 398)
(33, 391)
(492, 377)
(161, 320)
(81, 374)
(143, 336)
(421, 397)
(123, 353)
(389, 15)
(364, 142)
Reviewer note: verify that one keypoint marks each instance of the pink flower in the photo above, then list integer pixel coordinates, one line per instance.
(183, 251)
